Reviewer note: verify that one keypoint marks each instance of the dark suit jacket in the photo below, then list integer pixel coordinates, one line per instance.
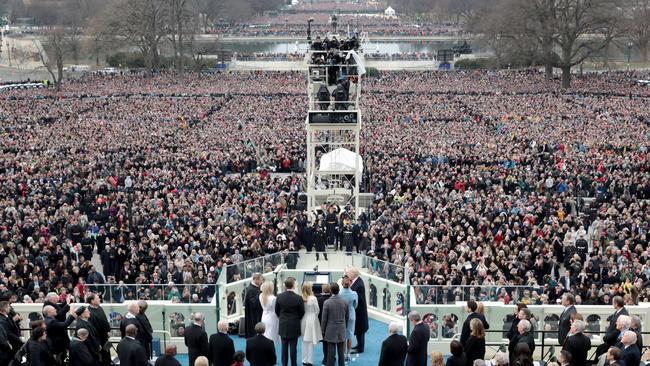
(611, 334)
(196, 341)
(289, 308)
(464, 334)
(520, 338)
(321, 302)
(131, 353)
(631, 356)
(39, 353)
(474, 350)
(222, 348)
(578, 345)
(260, 351)
(166, 360)
(393, 351)
(361, 312)
(99, 320)
(57, 333)
(92, 343)
(80, 354)
(140, 336)
(252, 310)
(12, 333)
(565, 323)
(417, 348)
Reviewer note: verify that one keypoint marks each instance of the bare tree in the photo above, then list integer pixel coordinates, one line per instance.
(53, 53)
(182, 25)
(637, 17)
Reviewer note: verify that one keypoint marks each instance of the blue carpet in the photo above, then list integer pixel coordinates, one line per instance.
(374, 337)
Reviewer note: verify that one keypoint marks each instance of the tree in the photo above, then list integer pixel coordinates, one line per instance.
(583, 27)
(637, 19)
(57, 45)
(141, 23)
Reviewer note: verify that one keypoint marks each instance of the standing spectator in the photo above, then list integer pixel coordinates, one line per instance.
(418, 341)
(290, 308)
(631, 354)
(521, 312)
(333, 322)
(252, 308)
(131, 317)
(394, 348)
(309, 324)
(169, 358)
(472, 306)
(62, 308)
(5, 347)
(475, 346)
(129, 351)
(524, 336)
(40, 353)
(269, 318)
(326, 293)
(196, 339)
(577, 344)
(361, 312)
(352, 299)
(145, 327)
(612, 332)
(11, 329)
(457, 357)
(100, 322)
(222, 348)
(80, 354)
(57, 331)
(260, 351)
(565, 318)
(92, 339)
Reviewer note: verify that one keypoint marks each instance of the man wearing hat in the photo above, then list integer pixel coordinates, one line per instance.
(92, 339)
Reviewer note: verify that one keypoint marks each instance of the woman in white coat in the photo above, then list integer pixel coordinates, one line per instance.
(309, 326)
(269, 318)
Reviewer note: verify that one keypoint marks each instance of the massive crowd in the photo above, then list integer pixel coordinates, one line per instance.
(479, 178)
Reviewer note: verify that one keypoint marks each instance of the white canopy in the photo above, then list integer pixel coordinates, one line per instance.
(340, 160)
(389, 12)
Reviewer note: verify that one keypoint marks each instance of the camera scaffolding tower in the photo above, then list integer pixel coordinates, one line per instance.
(333, 124)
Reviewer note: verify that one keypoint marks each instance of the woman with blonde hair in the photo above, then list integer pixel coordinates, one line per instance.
(475, 346)
(436, 359)
(269, 318)
(309, 325)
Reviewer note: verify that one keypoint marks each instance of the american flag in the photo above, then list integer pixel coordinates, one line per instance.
(399, 303)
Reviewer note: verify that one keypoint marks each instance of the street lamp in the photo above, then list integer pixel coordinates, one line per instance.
(629, 52)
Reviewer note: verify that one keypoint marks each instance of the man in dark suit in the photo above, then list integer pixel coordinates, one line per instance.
(568, 301)
(57, 331)
(525, 336)
(11, 329)
(146, 335)
(631, 355)
(169, 358)
(472, 314)
(252, 307)
(129, 351)
(418, 341)
(222, 348)
(326, 293)
(196, 339)
(612, 333)
(62, 309)
(99, 320)
(131, 317)
(394, 348)
(260, 351)
(361, 320)
(577, 344)
(334, 320)
(290, 309)
(92, 341)
(79, 353)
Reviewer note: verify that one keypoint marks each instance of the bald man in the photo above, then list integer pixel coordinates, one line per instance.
(222, 348)
(168, 359)
(129, 350)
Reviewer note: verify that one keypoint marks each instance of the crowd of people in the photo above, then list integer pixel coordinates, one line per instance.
(490, 179)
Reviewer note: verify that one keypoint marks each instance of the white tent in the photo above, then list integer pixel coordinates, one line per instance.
(389, 12)
(340, 160)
